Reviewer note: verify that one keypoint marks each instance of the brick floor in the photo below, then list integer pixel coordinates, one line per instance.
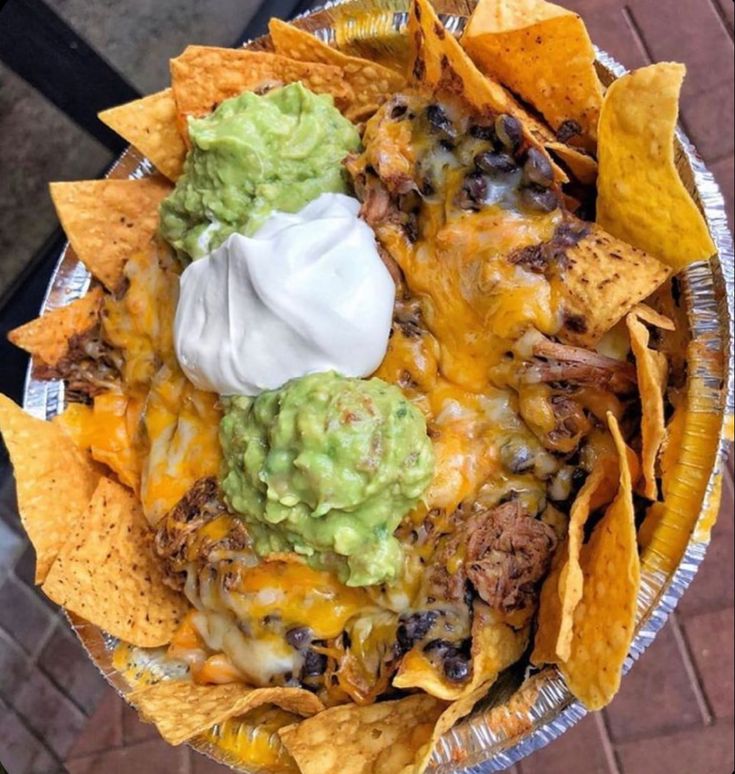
(674, 713)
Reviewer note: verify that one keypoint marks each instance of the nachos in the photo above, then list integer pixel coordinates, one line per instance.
(363, 390)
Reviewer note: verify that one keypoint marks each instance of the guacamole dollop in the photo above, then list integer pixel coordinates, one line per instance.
(327, 466)
(253, 155)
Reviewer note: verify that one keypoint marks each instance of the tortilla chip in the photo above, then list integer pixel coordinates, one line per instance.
(448, 719)
(599, 281)
(107, 571)
(54, 480)
(580, 164)
(544, 54)
(107, 220)
(204, 76)
(353, 739)
(107, 430)
(181, 710)
(495, 646)
(47, 337)
(150, 125)
(562, 589)
(371, 83)
(439, 64)
(641, 197)
(604, 620)
(652, 371)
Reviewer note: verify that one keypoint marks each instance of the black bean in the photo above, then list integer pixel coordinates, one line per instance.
(539, 199)
(299, 637)
(495, 162)
(315, 664)
(509, 131)
(457, 668)
(414, 627)
(537, 169)
(473, 191)
(440, 122)
(482, 132)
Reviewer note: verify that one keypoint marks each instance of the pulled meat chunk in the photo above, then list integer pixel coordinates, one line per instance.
(508, 554)
(179, 539)
(563, 363)
(89, 367)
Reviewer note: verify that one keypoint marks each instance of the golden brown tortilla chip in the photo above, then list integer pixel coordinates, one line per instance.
(54, 481)
(150, 125)
(652, 372)
(107, 571)
(599, 281)
(107, 220)
(544, 54)
(204, 76)
(448, 719)
(181, 710)
(353, 739)
(371, 83)
(641, 197)
(604, 620)
(495, 646)
(47, 337)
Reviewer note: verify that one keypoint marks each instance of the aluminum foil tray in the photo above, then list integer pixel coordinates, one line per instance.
(522, 712)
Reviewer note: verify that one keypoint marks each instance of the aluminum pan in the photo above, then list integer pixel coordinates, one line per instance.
(518, 716)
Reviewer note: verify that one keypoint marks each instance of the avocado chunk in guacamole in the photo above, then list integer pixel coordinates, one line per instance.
(253, 155)
(327, 466)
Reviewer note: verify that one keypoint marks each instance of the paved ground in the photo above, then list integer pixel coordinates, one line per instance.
(674, 714)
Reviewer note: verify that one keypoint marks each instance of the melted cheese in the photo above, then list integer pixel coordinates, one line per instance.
(108, 430)
(140, 323)
(182, 441)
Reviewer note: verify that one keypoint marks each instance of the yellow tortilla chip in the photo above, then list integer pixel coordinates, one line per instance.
(107, 220)
(353, 739)
(604, 620)
(495, 646)
(600, 280)
(562, 589)
(54, 481)
(150, 125)
(107, 571)
(544, 54)
(204, 76)
(181, 710)
(371, 83)
(47, 337)
(438, 63)
(652, 371)
(641, 197)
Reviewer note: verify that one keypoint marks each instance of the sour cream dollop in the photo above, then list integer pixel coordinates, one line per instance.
(307, 292)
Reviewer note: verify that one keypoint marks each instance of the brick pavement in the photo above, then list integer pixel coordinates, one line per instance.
(674, 714)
